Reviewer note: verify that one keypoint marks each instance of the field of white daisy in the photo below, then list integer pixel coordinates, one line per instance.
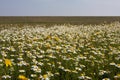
(60, 52)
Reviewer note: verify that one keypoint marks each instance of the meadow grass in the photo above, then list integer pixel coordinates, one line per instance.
(60, 52)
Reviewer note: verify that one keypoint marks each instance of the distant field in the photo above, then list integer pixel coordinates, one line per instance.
(58, 20)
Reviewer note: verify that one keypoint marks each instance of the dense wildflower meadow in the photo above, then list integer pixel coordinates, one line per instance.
(60, 52)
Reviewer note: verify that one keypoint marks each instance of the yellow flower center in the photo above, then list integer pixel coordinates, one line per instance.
(45, 76)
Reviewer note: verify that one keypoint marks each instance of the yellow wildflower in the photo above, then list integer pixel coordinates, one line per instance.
(83, 74)
(35, 39)
(98, 32)
(117, 65)
(57, 39)
(45, 76)
(48, 45)
(21, 77)
(48, 37)
(118, 75)
(8, 62)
